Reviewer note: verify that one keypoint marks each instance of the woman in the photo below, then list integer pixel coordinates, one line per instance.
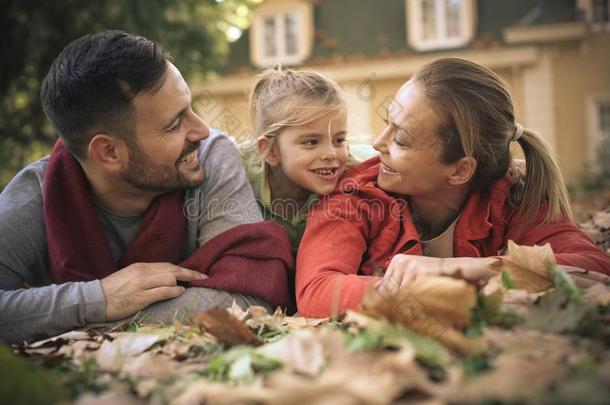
(438, 198)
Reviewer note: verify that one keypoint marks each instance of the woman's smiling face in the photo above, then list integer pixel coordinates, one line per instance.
(410, 146)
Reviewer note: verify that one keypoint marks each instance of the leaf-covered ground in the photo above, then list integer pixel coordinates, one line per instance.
(536, 333)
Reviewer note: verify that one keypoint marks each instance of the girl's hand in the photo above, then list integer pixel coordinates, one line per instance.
(403, 269)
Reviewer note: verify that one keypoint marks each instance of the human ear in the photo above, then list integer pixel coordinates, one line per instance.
(268, 151)
(462, 171)
(108, 152)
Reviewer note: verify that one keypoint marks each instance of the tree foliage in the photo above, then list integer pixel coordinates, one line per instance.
(33, 32)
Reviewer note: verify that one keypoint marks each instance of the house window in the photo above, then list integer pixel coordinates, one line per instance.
(281, 33)
(438, 24)
(600, 9)
(599, 130)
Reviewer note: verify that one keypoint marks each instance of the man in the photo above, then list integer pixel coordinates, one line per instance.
(136, 182)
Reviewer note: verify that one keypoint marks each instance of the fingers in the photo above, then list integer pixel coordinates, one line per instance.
(411, 272)
(183, 274)
(166, 274)
(163, 293)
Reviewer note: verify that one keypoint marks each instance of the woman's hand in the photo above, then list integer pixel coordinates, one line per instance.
(403, 269)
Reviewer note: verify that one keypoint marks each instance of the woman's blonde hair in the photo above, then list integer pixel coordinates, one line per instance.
(479, 122)
(283, 98)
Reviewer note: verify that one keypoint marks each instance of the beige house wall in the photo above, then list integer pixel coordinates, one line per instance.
(581, 70)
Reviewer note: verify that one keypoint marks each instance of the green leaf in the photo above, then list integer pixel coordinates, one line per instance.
(430, 352)
(476, 365)
(507, 281)
(488, 312)
(239, 364)
(365, 340)
(564, 283)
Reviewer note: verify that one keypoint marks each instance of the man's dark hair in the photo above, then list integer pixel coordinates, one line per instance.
(90, 85)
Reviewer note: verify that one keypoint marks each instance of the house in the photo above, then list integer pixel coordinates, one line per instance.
(553, 54)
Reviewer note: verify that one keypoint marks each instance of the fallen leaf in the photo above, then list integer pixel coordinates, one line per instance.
(529, 363)
(237, 312)
(79, 350)
(433, 306)
(112, 354)
(225, 327)
(63, 338)
(526, 266)
(301, 352)
(598, 294)
(148, 365)
(602, 219)
(118, 395)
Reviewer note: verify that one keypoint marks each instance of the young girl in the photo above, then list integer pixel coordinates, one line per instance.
(300, 121)
(438, 197)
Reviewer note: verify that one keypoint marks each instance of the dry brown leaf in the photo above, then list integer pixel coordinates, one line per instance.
(237, 312)
(586, 278)
(112, 354)
(148, 365)
(529, 362)
(598, 294)
(336, 387)
(602, 219)
(225, 327)
(301, 352)
(79, 350)
(302, 322)
(117, 395)
(526, 266)
(433, 306)
(55, 344)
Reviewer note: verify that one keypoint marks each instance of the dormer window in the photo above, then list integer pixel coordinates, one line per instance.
(281, 33)
(439, 24)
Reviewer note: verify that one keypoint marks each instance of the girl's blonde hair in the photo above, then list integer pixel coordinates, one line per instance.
(283, 98)
(479, 122)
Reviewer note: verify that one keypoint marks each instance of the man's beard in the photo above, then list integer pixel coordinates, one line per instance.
(146, 176)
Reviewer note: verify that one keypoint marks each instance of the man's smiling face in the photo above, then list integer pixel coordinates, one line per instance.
(163, 156)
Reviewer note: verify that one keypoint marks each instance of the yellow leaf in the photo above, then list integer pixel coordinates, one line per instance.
(433, 306)
(526, 266)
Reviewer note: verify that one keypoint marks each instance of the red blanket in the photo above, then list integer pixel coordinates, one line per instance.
(251, 259)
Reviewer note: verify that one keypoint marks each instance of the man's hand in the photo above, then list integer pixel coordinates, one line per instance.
(403, 269)
(137, 286)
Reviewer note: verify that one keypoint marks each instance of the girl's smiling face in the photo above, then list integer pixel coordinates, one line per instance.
(312, 156)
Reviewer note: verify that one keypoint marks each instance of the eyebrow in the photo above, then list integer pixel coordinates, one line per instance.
(318, 135)
(390, 122)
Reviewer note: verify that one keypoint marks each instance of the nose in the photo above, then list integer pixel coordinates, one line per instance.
(329, 152)
(381, 142)
(199, 131)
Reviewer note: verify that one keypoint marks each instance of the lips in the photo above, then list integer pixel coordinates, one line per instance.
(327, 173)
(385, 169)
(189, 159)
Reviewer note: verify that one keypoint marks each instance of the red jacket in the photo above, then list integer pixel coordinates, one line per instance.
(359, 227)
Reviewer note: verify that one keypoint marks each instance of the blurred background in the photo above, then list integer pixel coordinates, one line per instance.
(553, 54)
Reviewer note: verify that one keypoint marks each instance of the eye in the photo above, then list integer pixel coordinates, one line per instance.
(339, 141)
(400, 142)
(310, 142)
(175, 125)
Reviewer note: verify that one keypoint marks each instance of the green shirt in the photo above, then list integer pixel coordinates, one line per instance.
(256, 170)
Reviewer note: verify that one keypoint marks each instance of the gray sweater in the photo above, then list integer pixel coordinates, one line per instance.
(222, 201)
